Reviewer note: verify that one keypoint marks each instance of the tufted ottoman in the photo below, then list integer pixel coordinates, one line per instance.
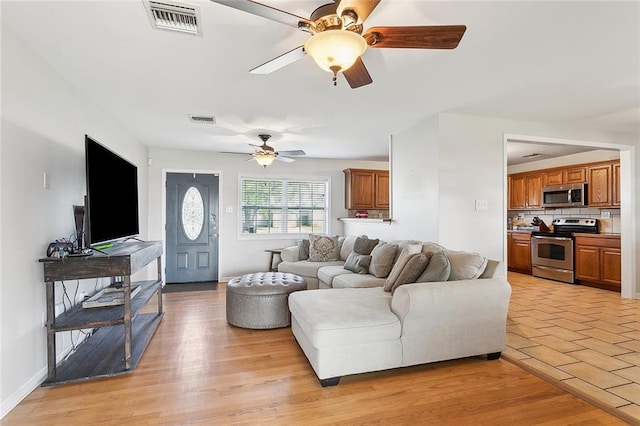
(260, 300)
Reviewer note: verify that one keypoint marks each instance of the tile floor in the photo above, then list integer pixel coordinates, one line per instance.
(584, 340)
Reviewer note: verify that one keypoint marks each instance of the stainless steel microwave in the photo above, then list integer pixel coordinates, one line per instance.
(574, 195)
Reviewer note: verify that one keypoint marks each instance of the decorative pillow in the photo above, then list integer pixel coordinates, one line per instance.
(323, 248)
(412, 270)
(303, 249)
(437, 270)
(358, 263)
(465, 265)
(382, 257)
(347, 246)
(363, 245)
(404, 256)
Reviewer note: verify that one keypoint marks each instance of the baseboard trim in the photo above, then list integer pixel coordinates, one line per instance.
(22, 392)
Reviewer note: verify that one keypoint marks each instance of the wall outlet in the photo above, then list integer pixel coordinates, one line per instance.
(605, 214)
(81, 296)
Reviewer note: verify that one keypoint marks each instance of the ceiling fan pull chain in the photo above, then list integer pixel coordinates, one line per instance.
(335, 70)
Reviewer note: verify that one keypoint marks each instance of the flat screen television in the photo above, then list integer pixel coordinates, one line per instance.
(111, 205)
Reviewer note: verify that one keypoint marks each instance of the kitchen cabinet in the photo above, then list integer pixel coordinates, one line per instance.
(574, 175)
(598, 260)
(526, 191)
(553, 177)
(616, 185)
(599, 179)
(366, 189)
(519, 252)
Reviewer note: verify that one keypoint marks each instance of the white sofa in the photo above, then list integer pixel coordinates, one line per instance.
(345, 331)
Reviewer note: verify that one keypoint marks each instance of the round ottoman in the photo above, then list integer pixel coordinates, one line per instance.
(260, 300)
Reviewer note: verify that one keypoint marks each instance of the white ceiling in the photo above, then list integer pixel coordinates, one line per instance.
(567, 61)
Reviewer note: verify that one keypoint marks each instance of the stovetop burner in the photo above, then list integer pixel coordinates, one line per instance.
(566, 227)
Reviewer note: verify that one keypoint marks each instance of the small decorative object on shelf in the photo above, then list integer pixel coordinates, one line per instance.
(362, 214)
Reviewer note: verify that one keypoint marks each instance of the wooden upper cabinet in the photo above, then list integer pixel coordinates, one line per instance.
(616, 185)
(553, 177)
(381, 199)
(574, 175)
(517, 197)
(599, 179)
(534, 190)
(366, 189)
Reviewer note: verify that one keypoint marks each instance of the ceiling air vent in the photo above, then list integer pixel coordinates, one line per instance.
(165, 15)
(203, 119)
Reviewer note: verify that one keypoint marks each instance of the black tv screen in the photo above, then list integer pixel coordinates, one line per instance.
(112, 195)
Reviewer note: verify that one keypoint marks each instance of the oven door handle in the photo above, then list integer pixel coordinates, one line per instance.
(552, 238)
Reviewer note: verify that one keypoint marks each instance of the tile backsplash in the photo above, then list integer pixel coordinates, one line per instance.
(607, 225)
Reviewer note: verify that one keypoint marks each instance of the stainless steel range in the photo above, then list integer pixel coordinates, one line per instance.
(552, 253)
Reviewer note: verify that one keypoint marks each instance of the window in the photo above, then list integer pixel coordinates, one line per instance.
(278, 206)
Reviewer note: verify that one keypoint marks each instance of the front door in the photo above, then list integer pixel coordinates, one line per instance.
(192, 227)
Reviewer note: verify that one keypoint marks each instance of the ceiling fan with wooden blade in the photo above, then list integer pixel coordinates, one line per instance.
(337, 41)
(265, 154)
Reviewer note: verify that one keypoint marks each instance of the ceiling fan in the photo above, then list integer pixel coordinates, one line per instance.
(265, 154)
(337, 40)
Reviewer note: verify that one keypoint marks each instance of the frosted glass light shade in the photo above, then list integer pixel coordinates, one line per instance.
(335, 50)
(264, 159)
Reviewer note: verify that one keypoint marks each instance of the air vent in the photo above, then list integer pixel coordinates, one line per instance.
(183, 18)
(203, 119)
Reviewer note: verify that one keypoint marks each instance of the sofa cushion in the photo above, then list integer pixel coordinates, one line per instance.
(465, 265)
(303, 249)
(345, 317)
(306, 268)
(402, 260)
(401, 244)
(358, 263)
(437, 270)
(326, 274)
(323, 248)
(356, 281)
(382, 258)
(364, 245)
(412, 270)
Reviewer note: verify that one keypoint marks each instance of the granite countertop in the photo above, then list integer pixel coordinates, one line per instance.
(601, 235)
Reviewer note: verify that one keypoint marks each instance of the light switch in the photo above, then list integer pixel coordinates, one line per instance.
(228, 209)
(482, 205)
(45, 180)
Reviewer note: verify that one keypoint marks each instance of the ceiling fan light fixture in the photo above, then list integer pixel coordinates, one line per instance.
(264, 159)
(335, 50)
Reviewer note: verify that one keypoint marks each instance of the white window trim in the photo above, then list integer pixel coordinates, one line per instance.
(290, 236)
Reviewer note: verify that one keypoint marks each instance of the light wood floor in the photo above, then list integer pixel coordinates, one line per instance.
(583, 339)
(199, 370)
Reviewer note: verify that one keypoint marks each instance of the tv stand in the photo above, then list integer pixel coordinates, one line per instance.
(121, 332)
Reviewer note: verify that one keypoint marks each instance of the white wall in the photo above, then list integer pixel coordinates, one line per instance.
(470, 166)
(44, 120)
(241, 254)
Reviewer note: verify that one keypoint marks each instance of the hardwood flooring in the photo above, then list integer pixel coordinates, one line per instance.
(584, 340)
(198, 370)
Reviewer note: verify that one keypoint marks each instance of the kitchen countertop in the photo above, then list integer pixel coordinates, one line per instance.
(606, 235)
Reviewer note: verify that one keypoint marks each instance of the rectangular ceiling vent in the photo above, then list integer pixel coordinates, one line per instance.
(203, 119)
(165, 15)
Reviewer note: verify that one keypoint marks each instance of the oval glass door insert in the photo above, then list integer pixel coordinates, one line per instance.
(192, 213)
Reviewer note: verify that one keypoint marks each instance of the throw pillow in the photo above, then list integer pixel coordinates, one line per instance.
(363, 245)
(404, 256)
(347, 246)
(358, 263)
(412, 270)
(465, 265)
(323, 248)
(382, 258)
(303, 249)
(437, 270)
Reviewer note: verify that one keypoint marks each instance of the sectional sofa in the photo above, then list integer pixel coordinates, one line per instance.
(354, 320)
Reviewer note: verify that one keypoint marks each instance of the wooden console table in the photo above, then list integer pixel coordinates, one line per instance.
(122, 334)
